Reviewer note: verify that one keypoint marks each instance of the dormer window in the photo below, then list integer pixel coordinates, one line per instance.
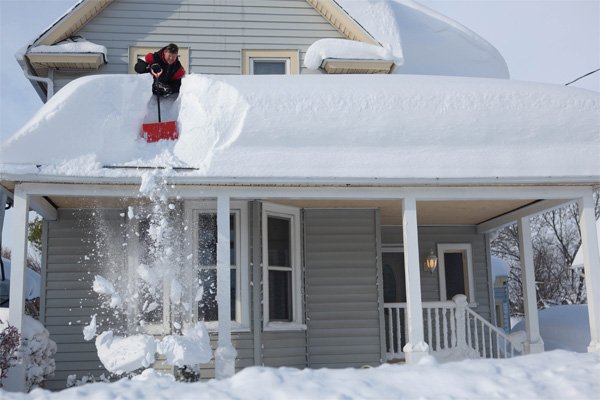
(270, 62)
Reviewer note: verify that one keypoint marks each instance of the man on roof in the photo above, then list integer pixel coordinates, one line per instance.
(166, 69)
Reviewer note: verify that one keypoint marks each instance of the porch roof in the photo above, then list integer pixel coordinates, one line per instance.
(315, 129)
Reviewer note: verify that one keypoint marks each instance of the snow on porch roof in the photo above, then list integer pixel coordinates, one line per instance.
(316, 127)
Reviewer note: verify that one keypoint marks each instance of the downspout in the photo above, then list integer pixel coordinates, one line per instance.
(49, 80)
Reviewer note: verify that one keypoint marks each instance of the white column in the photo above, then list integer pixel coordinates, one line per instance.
(534, 342)
(416, 347)
(15, 380)
(591, 264)
(225, 353)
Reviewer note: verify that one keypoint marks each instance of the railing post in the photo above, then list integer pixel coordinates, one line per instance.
(461, 307)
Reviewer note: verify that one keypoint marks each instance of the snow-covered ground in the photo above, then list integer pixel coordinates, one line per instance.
(552, 375)
(556, 374)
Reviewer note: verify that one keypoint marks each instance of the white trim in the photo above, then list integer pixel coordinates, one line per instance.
(456, 248)
(43, 207)
(293, 214)
(240, 211)
(309, 192)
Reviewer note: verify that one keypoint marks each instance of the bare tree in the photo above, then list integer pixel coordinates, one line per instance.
(556, 238)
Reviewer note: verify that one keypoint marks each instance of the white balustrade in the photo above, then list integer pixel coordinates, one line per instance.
(449, 326)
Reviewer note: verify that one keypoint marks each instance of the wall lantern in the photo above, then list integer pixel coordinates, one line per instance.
(431, 262)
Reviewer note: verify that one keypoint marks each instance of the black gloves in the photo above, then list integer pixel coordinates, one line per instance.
(156, 68)
(161, 89)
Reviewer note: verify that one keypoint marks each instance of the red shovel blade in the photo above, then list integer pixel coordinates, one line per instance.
(154, 132)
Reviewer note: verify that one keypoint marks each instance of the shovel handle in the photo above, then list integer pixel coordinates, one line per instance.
(158, 103)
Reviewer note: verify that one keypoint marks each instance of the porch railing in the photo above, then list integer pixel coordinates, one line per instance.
(452, 330)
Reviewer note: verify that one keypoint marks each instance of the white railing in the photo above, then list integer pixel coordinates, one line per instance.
(451, 328)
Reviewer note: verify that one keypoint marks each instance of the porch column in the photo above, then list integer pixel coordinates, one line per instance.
(225, 353)
(534, 342)
(416, 347)
(15, 380)
(591, 265)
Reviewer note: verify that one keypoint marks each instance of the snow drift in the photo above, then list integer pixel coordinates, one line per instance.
(308, 127)
(37, 352)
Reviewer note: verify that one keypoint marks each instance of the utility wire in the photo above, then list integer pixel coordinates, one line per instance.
(583, 76)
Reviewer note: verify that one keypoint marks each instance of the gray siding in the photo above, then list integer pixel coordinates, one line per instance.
(215, 32)
(68, 299)
(341, 288)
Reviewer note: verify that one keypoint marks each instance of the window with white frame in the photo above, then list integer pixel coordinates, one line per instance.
(456, 271)
(282, 305)
(270, 62)
(204, 242)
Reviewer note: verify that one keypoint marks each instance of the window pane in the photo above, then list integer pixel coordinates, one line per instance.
(208, 309)
(280, 296)
(207, 239)
(272, 67)
(279, 241)
(455, 274)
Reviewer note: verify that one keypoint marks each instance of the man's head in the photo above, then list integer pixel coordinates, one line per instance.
(171, 53)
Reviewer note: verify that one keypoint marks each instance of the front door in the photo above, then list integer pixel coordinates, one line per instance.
(394, 297)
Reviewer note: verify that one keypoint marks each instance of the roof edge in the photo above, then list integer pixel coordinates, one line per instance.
(186, 179)
(342, 21)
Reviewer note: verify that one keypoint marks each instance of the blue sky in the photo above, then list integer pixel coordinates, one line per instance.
(552, 41)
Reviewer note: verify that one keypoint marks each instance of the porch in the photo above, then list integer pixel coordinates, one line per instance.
(408, 329)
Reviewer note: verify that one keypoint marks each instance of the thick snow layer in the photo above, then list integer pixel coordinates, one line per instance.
(428, 42)
(345, 49)
(564, 327)
(578, 260)
(77, 45)
(499, 267)
(125, 354)
(32, 280)
(317, 127)
(553, 375)
(38, 349)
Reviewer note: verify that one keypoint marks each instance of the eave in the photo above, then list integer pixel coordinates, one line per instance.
(340, 66)
(66, 61)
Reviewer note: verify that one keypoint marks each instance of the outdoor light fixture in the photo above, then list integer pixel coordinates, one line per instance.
(431, 262)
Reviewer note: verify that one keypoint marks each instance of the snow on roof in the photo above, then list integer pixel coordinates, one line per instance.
(428, 42)
(578, 260)
(71, 45)
(345, 49)
(317, 127)
(499, 267)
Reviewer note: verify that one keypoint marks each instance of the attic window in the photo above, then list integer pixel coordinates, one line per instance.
(270, 62)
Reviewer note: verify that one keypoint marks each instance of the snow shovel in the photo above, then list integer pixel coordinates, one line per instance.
(153, 132)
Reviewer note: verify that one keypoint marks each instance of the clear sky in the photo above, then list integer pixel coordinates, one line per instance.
(552, 41)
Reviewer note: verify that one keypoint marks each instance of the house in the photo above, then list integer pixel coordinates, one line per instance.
(500, 274)
(313, 200)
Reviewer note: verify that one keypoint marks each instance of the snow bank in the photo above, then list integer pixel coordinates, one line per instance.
(564, 327)
(345, 49)
(33, 280)
(428, 42)
(552, 375)
(38, 349)
(319, 126)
